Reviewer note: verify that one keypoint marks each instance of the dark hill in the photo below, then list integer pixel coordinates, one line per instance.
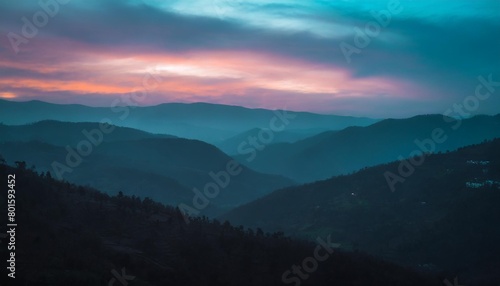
(72, 235)
(443, 217)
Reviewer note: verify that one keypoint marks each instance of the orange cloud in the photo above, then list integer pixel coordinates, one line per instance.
(8, 95)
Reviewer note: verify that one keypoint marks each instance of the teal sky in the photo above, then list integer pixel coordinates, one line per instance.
(270, 54)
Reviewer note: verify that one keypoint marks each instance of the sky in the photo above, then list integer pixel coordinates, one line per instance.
(349, 57)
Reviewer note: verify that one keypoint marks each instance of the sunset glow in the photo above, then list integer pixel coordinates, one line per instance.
(223, 53)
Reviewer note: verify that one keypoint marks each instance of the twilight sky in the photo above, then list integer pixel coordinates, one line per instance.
(270, 54)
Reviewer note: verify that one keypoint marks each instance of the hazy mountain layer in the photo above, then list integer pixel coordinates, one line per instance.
(166, 169)
(212, 123)
(333, 153)
(442, 215)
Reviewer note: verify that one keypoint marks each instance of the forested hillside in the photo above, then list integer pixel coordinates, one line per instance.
(72, 235)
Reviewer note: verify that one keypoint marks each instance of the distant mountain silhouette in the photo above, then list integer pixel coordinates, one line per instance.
(230, 146)
(211, 123)
(443, 217)
(165, 169)
(73, 235)
(66, 133)
(333, 153)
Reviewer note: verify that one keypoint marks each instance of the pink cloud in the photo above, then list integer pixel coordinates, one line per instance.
(241, 77)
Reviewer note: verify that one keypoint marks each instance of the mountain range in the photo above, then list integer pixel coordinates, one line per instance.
(410, 192)
(441, 217)
(212, 123)
(333, 153)
(164, 168)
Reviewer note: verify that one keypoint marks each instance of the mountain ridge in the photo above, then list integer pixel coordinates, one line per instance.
(207, 122)
(447, 201)
(177, 165)
(353, 148)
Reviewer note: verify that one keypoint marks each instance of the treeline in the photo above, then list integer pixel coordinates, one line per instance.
(75, 235)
